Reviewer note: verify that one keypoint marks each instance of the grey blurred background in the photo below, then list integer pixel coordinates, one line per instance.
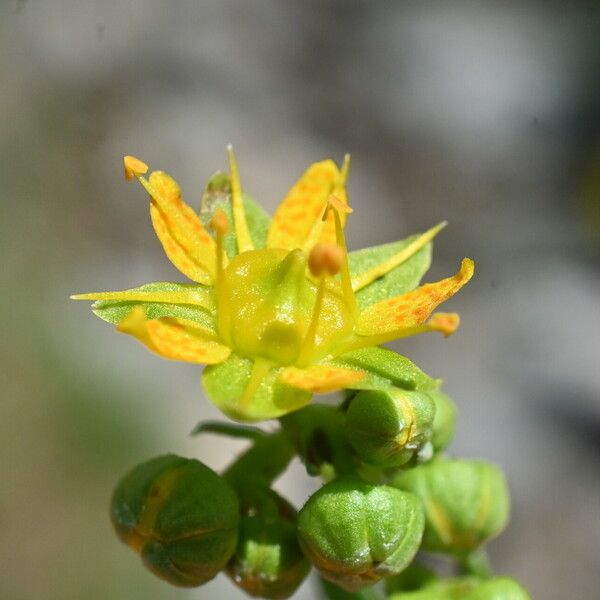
(486, 114)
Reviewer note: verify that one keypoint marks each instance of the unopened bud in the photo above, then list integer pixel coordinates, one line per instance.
(356, 533)
(467, 500)
(180, 516)
(387, 428)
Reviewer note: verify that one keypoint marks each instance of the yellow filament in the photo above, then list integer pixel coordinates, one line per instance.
(308, 343)
(364, 279)
(242, 233)
(220, 226)
(260, 369)
(315, 231)
(345, 170)
(345, 269)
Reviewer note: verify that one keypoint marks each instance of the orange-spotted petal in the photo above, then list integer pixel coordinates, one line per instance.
(414, 308)
(304, 206)
(181, 232)
(175, 339)
(320, 378)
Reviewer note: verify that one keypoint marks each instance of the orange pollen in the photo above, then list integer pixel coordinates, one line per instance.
(219, 222)
(325, 259)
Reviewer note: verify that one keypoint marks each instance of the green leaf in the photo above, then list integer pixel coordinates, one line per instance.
(114, 311)
(385, 367)
(230, 429)
(225, 385)
(400, 280)
(217, 194)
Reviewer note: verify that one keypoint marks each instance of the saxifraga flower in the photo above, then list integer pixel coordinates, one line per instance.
(279, 309)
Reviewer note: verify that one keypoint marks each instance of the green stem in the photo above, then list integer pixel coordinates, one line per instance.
(263, 462)
(478, 564)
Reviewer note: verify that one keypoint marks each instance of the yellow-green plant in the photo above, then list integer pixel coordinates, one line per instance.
(278, 310)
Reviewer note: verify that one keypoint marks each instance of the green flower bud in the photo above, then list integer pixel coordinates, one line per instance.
(444, 421)
(180, 516)
(497, 588)
(466, 503)
(356, 533)
(268, 562)
(389, 428)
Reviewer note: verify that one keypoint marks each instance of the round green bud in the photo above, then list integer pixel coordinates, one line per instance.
(497, 588)
(388, 428)
(444, 422)
(466, 503)
(356, 533)
(268, 562)
(180, 516)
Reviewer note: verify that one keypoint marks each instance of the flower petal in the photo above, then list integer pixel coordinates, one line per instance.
(181, 232)
(175, 339)
(320, 378)
(414, 308)
(303, 207)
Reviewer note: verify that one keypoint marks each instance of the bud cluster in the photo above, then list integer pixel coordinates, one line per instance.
(390, 500)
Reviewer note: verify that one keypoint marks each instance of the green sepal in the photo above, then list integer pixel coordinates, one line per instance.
(404, 278)
(317, 432)
(225, 385)
(114, 311)
(268, 562)
(389, 427)
(384, 368)
(217, 194)
(180, 516)
(466, 503)
(355, 533)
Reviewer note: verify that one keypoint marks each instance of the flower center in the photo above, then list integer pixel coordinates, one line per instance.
(267, 307)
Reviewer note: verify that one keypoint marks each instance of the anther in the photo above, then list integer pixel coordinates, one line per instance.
(134, 167)
(325, 259)
(219, 222)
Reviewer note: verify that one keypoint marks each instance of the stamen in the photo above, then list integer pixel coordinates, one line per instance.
(324, 260)
(345, 170)
(242, 233)
(134, 167)
(363, 279)
(260, 369)
(220, 225)
(337, 206)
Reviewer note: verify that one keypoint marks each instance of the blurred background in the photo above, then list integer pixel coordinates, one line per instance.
(485, 114)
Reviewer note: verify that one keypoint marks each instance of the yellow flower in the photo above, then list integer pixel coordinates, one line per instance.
(279, 310)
